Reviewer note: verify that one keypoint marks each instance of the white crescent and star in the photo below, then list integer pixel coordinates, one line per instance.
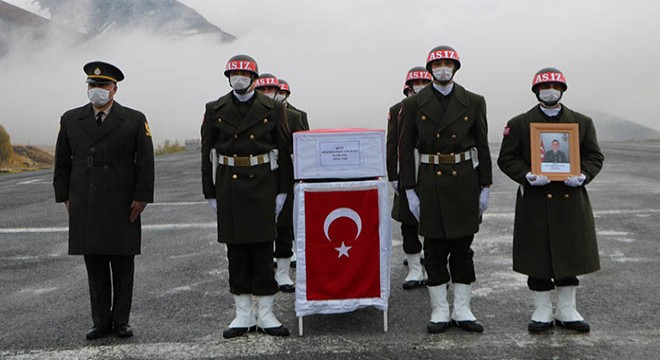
(339, 213)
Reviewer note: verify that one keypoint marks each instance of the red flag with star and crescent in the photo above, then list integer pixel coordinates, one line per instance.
(342, 244)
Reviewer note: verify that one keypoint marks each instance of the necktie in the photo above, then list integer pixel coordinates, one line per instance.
(99, 118)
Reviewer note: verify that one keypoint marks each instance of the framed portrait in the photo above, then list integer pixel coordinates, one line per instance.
(555, 150)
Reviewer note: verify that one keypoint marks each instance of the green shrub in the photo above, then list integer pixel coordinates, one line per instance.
(6, 150)
(168, 147)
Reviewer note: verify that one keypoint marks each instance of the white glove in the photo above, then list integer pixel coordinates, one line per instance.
(413, 202)
(395, 186)
(537, 180)
(484, 198)
(279, 204)
(575, 181)
(213, 203)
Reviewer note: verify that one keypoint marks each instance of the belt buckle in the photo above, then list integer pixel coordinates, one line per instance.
(242, 161)
(90, 161)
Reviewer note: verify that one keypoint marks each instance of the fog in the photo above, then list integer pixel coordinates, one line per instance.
(346, 61)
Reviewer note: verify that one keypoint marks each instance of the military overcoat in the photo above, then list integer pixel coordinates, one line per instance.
(286, 215)
(400, 209)
(554, 234)
(246, 195)
(449, 193)
(303, 114)
(101, 170)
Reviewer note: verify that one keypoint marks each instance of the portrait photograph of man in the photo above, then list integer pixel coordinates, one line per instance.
(555, 152)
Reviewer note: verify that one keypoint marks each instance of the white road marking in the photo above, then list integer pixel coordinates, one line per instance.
(213, 225)
(39, 181)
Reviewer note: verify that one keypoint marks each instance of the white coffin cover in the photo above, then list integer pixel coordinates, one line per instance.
(306, 307)
(339, 154)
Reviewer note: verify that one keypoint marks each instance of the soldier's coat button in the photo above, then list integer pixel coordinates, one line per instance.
(251, 137)
(439, 173)
(466, 118)
(453, 136)
(234, 176)
(423, 117)
(265, 121)
(566, 196)
(251, 176)
(235, 136)
(106, 167)
(549, 196)
(452, 154)
(454, 173)
(219, 120)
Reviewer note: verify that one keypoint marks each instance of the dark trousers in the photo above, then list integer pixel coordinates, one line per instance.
(251, 269)
(411, 243)
(110, 288)
(284, 242)
(536, 284)
(458, 252)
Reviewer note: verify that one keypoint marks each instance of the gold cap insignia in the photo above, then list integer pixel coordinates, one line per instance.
(97, 71)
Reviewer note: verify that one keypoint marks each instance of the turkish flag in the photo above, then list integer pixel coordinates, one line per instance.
(342, 244)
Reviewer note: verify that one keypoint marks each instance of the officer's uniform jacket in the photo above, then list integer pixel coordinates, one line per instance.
(101, 170)
(552, 157)
(400, 209)
(246, 195)
(554, 234)
(449, 193)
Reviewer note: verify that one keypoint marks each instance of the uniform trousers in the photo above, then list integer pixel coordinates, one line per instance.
(437, 252)
(411, 243)
(251, 269)
(110, 288)
(536, 284)
(284, 242)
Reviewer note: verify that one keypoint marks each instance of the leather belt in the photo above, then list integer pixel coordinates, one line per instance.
(243, 161)
(90, 161)
(438, 159)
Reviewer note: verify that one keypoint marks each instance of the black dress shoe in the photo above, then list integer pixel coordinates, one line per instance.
(405, 262)
(436, 328)
(287, 288)
(469, 326)
(413, 284)
(123, 330)
(274, 331)
(235, 332)
(538, 327)
(292, 264)
(97, 332)
(579, 326)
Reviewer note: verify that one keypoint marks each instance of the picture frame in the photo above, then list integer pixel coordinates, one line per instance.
(555, 150)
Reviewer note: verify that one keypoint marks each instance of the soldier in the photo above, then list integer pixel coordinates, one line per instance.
(247, 130)
(283, 96)
(104, 174)
(268, 85)
(554, 237)
(449, 192)
(416, 79)
(555, 155)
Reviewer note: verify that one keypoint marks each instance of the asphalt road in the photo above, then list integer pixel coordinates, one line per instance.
(182, 304)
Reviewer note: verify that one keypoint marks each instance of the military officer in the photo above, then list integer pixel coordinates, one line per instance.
(554, 237)
(269, 85)
(283, 96)
(416, 79)
(555, 155)
(104, 174)
(449, 193)
(248, 133)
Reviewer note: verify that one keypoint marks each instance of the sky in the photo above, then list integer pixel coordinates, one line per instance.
(346, 61)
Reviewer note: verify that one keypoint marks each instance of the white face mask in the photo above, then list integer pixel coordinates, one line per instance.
(549, 96)
(417, 88)
(270, 95)
(98, 96)
(280, 97)
(239, 83)
(443, 73)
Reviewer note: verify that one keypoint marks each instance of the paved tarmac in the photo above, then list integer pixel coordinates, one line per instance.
(182, 304)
